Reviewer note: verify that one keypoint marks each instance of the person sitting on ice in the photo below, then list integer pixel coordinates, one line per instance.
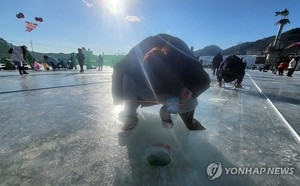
(52, 61)
(37, 66)
(161, 69)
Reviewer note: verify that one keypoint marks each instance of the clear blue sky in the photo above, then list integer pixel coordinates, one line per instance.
(114, 26)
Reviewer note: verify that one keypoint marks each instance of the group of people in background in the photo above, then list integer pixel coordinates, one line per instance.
(233, 68)
(281, 65)
(18, 57)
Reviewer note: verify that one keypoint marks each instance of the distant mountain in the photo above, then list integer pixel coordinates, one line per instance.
(287, 38)
(208, 51)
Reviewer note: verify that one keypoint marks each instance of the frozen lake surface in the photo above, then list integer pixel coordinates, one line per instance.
(61, 128)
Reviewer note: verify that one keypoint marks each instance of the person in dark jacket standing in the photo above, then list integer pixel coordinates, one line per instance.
(160, 70)
(216, 62)
(100, 61)
(80, 57)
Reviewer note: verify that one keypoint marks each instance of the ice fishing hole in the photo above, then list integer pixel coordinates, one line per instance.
(158, 156)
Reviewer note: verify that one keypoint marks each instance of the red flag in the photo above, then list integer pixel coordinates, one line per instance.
(30, 26)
